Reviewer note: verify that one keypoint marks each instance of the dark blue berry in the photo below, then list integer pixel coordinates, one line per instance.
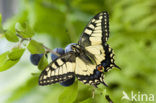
(35, 58)
(68, 47)
(68, 82)
(57, 50)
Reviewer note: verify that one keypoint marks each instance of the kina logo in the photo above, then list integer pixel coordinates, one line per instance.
(138, 96)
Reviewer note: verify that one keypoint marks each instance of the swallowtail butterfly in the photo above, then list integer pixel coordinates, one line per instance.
(89, 59)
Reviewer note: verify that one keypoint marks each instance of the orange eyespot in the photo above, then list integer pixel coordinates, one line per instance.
(100, 68)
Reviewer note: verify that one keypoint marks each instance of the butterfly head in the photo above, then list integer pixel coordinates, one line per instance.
(75, 48)
(100, 68)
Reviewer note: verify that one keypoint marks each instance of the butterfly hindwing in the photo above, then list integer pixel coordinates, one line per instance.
(109, 61)
(59, 70)
(90, 75)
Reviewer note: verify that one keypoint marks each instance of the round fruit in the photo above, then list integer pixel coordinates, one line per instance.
(68, 82)
(35, 58)
(57, 50)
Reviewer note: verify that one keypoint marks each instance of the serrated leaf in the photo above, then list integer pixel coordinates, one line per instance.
(69, 94)
(24, 30)
(35, 47)
(11, 35)
(89, 100)
(8, 64)
(43, 63)
(3, 58)
(16, 53)
(5, 62)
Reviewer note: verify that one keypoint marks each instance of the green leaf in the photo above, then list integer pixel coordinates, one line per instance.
(16, 53)
(69, 94)
(5, 62)
(24, 30)
(23, 90)
(35, 47)
(8, 59)
(89, 100)
(43, 63)
(84, 92)
(3, 58)
(11, 35)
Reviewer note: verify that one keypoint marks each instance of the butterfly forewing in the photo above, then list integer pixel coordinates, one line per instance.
(97, 31)
(59, 70)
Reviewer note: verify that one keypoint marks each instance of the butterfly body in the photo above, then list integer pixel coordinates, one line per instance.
(88, 60)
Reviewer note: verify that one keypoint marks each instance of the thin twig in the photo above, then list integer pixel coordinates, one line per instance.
(108, 99)
(20, 43)
(28, 39)
(49, 50)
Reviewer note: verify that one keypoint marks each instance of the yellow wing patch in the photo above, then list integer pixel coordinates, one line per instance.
(84, 69)
(98, 52)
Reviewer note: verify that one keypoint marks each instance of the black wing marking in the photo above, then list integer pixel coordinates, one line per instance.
(93, 79)
(59, 70)
(97, 31)
(109, 61)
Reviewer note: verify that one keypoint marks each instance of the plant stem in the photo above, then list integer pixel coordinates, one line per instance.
(29, 39)
(49, 50)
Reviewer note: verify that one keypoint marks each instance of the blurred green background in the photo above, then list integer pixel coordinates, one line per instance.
(59, 22)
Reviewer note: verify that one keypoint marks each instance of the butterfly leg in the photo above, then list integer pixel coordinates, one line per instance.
(93, 93)
(94, 85)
